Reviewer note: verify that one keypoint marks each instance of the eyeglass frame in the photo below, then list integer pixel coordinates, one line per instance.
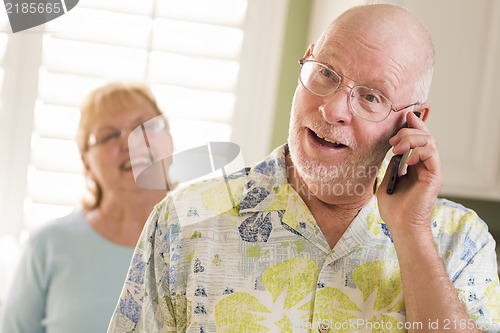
(303, 61)
(92, 141)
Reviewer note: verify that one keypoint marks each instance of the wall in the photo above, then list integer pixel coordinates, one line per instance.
(294, 47)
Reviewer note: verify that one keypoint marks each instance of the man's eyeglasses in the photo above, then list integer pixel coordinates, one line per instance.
(367, 103)
(112, 135)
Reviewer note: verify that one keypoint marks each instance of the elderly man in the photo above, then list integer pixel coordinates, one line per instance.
(309, 238)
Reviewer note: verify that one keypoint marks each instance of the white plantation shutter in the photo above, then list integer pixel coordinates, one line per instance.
(188, 51)
(212, 65)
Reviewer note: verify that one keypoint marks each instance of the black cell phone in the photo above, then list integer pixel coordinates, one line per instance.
(399, 162)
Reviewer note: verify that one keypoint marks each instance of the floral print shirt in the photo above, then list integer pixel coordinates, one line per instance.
(244, 254)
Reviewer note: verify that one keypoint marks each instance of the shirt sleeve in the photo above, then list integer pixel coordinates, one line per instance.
(145, 304)
(477, 284)
(24, 307)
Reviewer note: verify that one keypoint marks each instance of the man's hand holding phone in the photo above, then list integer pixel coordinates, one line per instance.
(412, 201)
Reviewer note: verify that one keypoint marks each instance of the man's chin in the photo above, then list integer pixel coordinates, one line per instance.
(313, 171)
(344, 172)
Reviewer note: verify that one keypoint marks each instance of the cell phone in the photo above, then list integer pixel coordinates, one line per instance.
(397, 167)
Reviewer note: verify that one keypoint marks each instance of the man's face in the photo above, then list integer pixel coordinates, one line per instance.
(328, 142)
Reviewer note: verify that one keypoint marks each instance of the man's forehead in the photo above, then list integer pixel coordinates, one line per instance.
(386, 30)
(363, 69)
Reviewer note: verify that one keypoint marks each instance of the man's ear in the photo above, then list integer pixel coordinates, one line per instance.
(424, 109)
(309, 51)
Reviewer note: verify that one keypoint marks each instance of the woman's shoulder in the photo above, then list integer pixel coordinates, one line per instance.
(61, 227)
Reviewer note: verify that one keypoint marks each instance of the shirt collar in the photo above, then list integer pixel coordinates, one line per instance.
(267, 189)
(264, 182)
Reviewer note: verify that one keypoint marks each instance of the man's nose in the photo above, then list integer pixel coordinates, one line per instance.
(335, 107)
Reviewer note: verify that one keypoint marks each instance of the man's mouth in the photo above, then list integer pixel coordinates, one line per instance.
(326, 142)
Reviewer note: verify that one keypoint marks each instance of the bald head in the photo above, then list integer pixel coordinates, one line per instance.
(393, 31)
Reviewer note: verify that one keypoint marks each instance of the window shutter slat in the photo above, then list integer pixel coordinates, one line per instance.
(75, 88)
(56, 155)
(63, 188)
(203, 104)
(143, 7)
(49, 117)
(193, 72)
(221, 12)
(205, 131)
(91, 59)
(105, 27)
(211, 40)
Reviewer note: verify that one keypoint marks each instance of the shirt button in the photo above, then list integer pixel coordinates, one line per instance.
(323, 328)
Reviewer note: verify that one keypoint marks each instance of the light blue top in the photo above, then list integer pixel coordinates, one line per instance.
(68, 280)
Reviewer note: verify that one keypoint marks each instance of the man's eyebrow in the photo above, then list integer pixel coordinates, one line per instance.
(386, 86)
(327, 63)
(380, 84)
(383, 85)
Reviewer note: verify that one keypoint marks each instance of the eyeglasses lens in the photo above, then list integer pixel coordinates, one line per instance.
(365, 102)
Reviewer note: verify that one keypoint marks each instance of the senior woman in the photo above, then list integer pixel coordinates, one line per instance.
(72, 269)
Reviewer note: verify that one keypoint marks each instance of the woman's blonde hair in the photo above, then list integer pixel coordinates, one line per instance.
(104, 99)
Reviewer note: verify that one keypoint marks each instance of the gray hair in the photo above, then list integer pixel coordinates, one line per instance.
(423, 85)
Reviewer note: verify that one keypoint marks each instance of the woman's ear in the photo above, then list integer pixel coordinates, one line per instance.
(85, 163)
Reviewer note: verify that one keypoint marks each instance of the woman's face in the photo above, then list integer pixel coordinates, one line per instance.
(108, 160)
